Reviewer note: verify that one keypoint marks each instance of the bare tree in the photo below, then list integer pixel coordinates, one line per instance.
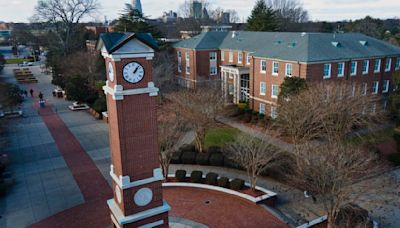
(329, 111)
(171, 131)
(199, 108)
(330, 172)
(164, 67)
(66, 15)
(254, 155)
(288, 11)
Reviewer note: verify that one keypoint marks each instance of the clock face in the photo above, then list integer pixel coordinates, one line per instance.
(133, 72)
(111, 71)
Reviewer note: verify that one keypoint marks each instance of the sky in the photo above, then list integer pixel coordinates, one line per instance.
(319, 10)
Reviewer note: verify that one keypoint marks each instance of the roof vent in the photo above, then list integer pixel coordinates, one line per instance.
(363, 42)
(292, 44)
(336, 44)
(303, 33)
(235, 34)
(278, 42)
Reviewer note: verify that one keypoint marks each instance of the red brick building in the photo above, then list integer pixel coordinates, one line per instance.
(252, 65)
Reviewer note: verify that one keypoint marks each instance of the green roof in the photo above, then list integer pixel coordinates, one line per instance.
(114, 40)
(302, 47)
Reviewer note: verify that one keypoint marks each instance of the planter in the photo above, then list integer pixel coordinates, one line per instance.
(105, 116)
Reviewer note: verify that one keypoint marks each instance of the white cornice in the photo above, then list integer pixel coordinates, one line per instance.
(118, 91)
(124, 182)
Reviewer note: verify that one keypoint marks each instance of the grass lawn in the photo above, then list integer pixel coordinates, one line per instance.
(16, 61)
(219, 136)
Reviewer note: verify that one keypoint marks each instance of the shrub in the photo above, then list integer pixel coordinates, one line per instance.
(395, 158)
(188, 148)
(100, 105)
(214, 149)
(180, 175)
(217, 159)
(237, 184)
(196, 176)
(396, 137)
(176, 157)
(203, 158)
(223, 182)
(230, 163)
(254, 119)
(188, 157)
(212, 178)
(261, 116)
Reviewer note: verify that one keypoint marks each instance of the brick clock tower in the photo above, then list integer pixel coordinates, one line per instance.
(131, 101)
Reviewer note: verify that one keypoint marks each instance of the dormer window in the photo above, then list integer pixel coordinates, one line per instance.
(363, 42)
(336, 44)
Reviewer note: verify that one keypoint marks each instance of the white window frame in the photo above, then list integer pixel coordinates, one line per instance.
(263, 88)
(397, 63)
(379, 61)
(341, 74)
(386, 85)
(231, 56)
(367, 69)
(329, 71)
(364, 88)
(248, 59)
(214, 55)
(212, 72)
(263, 63)
(355, 68)
(287, 67)
(240, 57)
(222, 56)
(375, 87)
(272, 91)
(261, 108)
(179, 55)
(275, 73)
(187, 58)
(388, 64)
(274, 112)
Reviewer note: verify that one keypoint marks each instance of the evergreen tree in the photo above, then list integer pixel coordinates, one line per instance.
(262, 18)
(292, 86)
(134, 21)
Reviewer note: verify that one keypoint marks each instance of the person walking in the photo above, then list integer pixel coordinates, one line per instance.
(41, 96)
(26, 93)
(31, 92)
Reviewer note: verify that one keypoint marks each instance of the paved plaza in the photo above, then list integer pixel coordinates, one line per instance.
(57, 156)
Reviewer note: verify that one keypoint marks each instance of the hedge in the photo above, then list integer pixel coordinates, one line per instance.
(214, 149)
(217, 159)
(196, 176)
(176, 157)
(188, 157)
(212, 178)
(237, 184)
(180, 175)
(188, 148)
(396, 137)
(223, 182)
(202, 158)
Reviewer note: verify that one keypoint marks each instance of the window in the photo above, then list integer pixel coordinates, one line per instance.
(263, 88)
(377, 66)
(398, 63)
(231, 56)
(388, 64)
(364, 88)
(275, 91)
(187, 56)
(327, 71)
(340, 69)
(262, 108)
(289, 68)
(213, 70)
(222, 55)
(240, 57)
(375, 87)
(365, 66)
(274, 112)
(179, 61)
(248, 59)
(213, 56)
(353, 70)
(385, 88)
(275, 68)
(263, 66)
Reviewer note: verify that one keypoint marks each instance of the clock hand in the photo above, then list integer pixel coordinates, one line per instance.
(137, 68)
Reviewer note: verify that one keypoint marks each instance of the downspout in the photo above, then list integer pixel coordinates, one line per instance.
(253, 76)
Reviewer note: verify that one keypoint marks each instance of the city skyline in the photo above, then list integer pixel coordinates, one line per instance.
(321, 10)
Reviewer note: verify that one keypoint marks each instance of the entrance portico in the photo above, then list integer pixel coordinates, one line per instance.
(235, 83)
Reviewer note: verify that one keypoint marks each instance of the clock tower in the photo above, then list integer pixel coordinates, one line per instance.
(131, 102)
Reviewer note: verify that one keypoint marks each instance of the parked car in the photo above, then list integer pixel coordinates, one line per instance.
(24, 64)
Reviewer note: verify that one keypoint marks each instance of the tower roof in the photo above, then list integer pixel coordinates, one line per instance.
(113, 41)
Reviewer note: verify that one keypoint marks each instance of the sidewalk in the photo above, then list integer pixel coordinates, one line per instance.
(271, 140)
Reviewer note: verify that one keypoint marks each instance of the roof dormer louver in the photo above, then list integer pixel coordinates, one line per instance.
(363, 42)
(336, 44)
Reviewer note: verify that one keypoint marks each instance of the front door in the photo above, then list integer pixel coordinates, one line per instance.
(244, 87)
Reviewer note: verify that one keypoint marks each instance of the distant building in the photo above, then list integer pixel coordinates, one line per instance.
(170, 16)
(137, 5)
(216, 28)
(225, 18)
(196, 9)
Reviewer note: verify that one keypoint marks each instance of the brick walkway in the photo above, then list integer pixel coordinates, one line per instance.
(94, 212)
